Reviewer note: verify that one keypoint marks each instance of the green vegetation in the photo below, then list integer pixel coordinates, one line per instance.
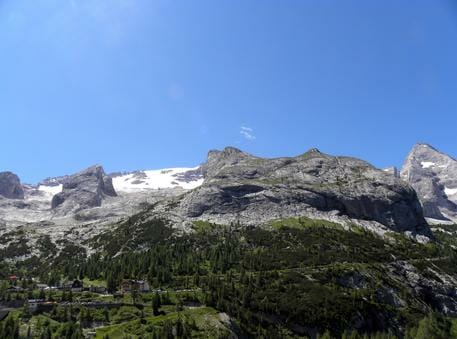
(191, 323)
(292, 278)
(303, 222)
(205, 226)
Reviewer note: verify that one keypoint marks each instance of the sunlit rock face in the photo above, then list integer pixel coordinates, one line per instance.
(241, 187)
(433, 175)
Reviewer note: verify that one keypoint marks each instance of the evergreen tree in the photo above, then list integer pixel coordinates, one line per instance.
(156, 304)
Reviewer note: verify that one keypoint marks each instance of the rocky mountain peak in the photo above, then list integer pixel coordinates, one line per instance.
(10, 186)
(313, 151)
(84, 189)
(423, 145)
(426, 151)
(228, 153)
(96, 170)
(433, 175)
(217, 160)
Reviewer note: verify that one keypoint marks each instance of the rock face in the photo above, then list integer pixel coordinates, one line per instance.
(10, 186)
(434, 177)
(83, 190)
(434, 286)
(392, 171)
(249, 189)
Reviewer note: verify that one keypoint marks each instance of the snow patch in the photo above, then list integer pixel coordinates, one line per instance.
(156, 179)
(433, 222)
(427, 164)
(450, 191)
(50, 190)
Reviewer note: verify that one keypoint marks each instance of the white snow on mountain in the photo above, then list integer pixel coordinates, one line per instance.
(450, 191)
(156, 179)
(50, 190)
(427, 164)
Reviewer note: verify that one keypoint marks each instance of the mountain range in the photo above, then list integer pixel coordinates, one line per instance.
(236, 187)
(303, 244)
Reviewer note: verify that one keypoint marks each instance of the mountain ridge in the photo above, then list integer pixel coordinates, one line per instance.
(238, 183)
(232, 164)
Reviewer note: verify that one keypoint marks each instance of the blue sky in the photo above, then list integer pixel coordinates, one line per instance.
(139, 84)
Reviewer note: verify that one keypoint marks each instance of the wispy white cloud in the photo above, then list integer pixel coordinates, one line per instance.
(247, 133)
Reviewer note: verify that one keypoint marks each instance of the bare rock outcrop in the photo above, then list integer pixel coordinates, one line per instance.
(433, 175)
(10, 186)
(249, 189)
(83, 190)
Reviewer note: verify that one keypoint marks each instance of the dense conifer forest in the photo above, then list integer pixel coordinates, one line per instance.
(290, 278)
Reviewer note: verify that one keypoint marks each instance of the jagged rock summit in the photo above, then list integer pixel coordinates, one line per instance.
(249, 189)
(10, 186)
(433, 175)
(83, 190)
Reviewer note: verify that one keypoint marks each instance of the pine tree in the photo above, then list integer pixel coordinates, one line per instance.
(106, 314)
(156, 304)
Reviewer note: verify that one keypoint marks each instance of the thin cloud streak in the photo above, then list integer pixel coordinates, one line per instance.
(247, 133)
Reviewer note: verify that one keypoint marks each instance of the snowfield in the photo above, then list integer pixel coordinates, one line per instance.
(50, 190)
(157, 179)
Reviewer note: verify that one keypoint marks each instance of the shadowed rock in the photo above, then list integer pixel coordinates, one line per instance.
(83, 190)
(10, 186)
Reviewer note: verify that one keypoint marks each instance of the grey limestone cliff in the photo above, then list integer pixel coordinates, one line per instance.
(433, 175)
(246, 188)
(83, 190)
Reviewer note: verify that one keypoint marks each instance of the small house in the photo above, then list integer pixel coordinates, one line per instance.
(139, 285)
(74, 286)
(77, 286)
(15, 289)
(42, 287)
(97, 289)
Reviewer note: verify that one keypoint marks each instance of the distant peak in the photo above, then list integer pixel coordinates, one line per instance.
(423, 145)
(425, 151)
(228, 151)
(93, 169)
(314, 150)
(231, 150)
(218, 159)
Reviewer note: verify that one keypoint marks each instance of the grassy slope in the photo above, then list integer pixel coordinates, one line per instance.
(206, 319)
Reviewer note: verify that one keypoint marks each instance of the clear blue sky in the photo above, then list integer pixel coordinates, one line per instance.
(139, 84)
